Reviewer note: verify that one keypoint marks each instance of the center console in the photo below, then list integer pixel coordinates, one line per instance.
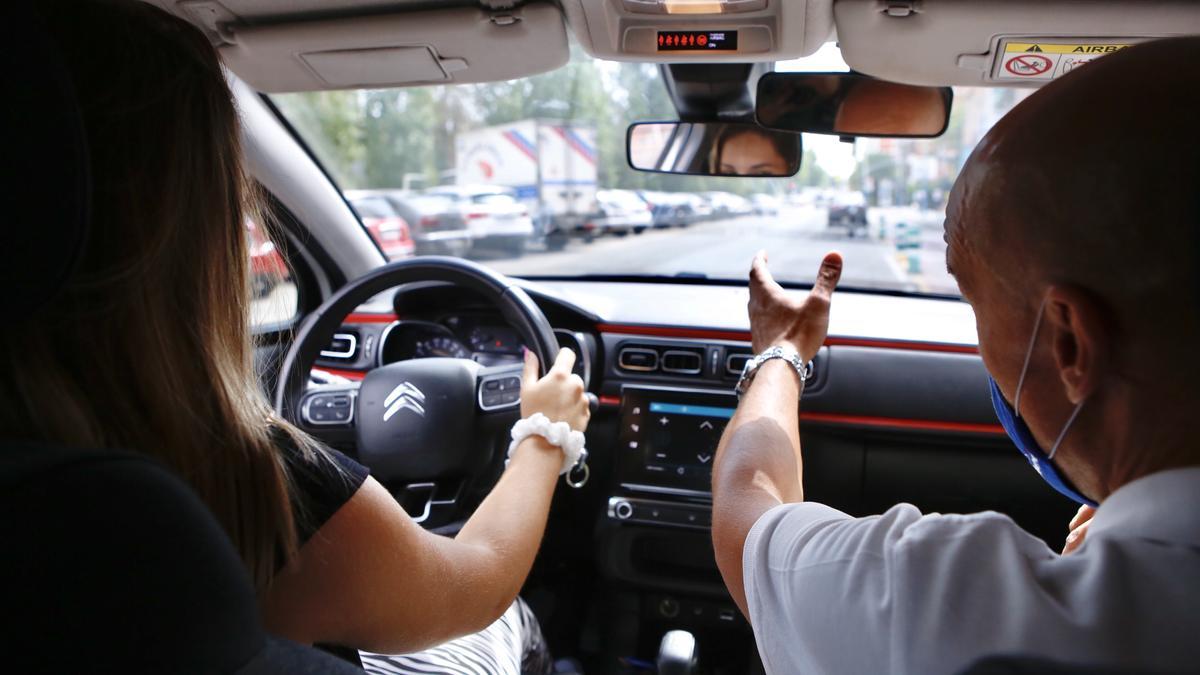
(669, 437)
(656, 537)
(662, 501)
(665, 451)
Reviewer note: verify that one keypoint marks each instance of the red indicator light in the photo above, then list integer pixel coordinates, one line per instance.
(682, 40)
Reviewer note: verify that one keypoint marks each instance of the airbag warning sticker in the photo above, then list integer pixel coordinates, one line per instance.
(1046, 59)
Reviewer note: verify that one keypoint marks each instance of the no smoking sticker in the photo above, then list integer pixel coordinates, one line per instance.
(1032, 60)
(1028, 65)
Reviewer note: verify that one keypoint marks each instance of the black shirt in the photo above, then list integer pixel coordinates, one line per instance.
(322, 485)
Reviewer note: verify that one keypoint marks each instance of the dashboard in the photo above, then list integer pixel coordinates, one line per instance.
(897, 410)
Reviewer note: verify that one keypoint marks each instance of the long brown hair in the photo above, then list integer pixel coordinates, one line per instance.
(149, 346)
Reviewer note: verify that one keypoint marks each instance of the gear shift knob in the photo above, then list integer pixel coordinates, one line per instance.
(676, 653)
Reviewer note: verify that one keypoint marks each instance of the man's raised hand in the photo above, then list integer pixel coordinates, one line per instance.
(776, 319)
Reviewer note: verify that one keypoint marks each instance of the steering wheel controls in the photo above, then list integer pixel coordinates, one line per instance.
(331, 408)
(500, 392)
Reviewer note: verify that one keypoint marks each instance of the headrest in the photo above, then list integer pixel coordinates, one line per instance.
(46, 194)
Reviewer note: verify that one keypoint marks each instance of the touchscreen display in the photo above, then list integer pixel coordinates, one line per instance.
(669, 438)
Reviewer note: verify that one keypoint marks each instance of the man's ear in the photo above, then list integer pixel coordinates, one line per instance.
(1082, 337)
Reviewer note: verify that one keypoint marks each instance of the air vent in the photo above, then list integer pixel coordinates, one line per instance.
(343, 347)
(682, 362)
(638, 359)
(661, 358)
(736, 362)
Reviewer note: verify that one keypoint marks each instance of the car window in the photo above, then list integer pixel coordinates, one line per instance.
(557, 142)
(274, 297)
(372, 208)
(500, 200)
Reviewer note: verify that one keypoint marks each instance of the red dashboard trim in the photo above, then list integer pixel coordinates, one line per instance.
(744, 336)
(348, 374)
(369, 317)
(876, 422)
(902, 423)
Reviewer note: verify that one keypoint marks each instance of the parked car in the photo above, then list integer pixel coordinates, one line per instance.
(668, 209)
(727, 204)
(386, 227)
(267, 267)
(702, 209)
(848, 210)
(495, 219)
(621, 212)
(764, 204)
(437, 224)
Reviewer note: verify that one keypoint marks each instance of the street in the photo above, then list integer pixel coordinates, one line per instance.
(795, 240)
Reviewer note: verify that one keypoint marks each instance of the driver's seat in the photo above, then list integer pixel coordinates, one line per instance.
(111, 563)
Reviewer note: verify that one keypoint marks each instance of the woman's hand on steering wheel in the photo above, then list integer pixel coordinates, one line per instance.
(559, 395)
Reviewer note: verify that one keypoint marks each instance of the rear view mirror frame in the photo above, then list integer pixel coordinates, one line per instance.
(702, 147)
(819, 115)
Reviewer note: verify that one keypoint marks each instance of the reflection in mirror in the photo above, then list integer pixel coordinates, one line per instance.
(713, 149)
(848, 104)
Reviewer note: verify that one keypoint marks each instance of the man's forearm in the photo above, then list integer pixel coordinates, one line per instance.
(764, 435)
(757, 466)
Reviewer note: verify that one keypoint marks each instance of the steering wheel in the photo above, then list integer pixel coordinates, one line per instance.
(421, 420)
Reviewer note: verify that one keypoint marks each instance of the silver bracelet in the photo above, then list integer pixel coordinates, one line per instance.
(803, 370)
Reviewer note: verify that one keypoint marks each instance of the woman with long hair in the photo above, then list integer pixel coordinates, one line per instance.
(148, 348)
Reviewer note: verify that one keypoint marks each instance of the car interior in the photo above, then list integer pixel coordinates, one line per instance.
(897, 408)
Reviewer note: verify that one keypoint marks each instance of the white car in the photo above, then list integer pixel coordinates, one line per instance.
(727, 204)
(495, 219)
(620, 212)
(764, 204)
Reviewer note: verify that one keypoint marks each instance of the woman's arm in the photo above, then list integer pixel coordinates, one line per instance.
(371, 578)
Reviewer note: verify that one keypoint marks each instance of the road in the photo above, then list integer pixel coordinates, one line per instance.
(795, 240)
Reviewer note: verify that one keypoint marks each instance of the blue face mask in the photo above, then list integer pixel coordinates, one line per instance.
(1018, 431)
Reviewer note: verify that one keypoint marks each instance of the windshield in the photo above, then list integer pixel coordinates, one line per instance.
(536, 167)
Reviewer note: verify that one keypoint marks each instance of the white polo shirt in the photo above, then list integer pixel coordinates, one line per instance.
(907, 593)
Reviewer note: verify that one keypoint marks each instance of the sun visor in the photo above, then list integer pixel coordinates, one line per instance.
(1020, 43)
(445, 46)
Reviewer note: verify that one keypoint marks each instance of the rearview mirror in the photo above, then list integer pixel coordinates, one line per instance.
(712, 149)
(848, 104)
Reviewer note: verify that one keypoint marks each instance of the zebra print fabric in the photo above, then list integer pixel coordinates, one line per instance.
(513, 645)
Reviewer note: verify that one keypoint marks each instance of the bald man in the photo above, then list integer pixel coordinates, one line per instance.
(1074, 233)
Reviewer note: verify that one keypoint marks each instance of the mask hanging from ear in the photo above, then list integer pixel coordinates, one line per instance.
(1018, 431)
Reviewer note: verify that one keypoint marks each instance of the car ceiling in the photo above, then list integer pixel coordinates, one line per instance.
(295, 45)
